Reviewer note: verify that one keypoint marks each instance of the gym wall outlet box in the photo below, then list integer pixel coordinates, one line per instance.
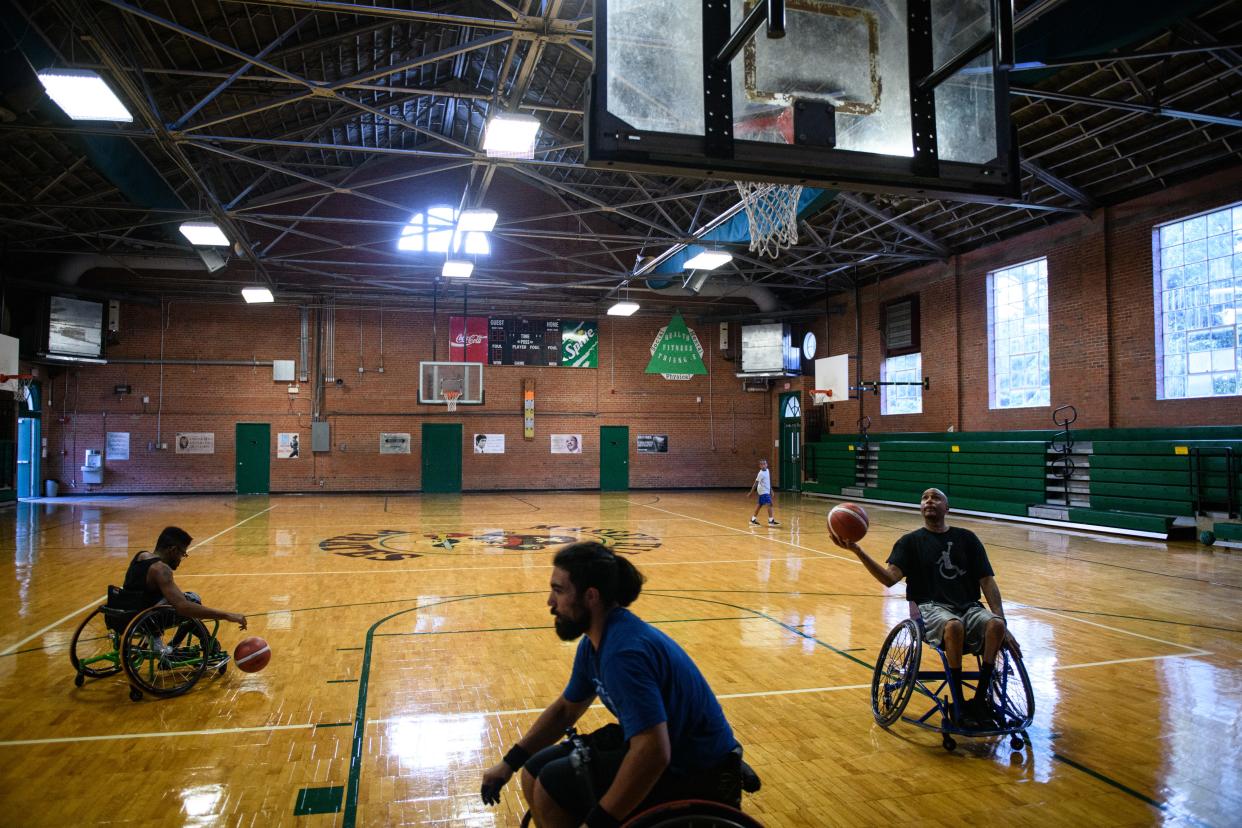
(321, 437)
(282, 370)
(123, 389)
(293, 389)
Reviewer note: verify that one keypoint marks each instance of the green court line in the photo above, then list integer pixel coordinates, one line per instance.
(1110, 781)
(333, 724)
(342, 681)
(344, 649)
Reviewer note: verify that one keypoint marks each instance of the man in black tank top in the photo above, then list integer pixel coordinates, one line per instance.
(149, 580)
(945, 569)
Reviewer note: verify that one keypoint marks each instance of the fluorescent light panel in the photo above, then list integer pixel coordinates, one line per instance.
(204, 233)
(254, 295)
(476, 221)
(510, 136)
(83, 95)
(708, 260)
(623, 309)
(457, 269)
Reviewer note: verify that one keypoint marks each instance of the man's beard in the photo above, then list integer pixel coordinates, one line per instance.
(571, 629)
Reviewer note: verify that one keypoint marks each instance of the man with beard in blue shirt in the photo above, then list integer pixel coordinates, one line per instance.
(672, 741)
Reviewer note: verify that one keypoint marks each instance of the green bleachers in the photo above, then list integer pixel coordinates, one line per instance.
(1139, 479)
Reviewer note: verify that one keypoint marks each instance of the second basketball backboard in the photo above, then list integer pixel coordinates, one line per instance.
(827, 105)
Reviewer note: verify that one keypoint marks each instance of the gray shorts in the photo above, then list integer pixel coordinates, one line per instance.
(975, 618)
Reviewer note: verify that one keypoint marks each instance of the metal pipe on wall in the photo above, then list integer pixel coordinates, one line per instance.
(303, 349)
(247, 363)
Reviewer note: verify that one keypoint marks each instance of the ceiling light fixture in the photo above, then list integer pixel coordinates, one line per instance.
(708, 260)
(204, 234)
(623, 309)
(83, 95)
(457, 269)
(256, 295)
(477, 220)
(509, 135)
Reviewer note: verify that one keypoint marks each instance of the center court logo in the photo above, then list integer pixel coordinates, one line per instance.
(400, 545)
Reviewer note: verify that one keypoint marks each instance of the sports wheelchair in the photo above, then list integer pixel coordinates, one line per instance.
(1010, 700)
(684, 813)
(161, 652)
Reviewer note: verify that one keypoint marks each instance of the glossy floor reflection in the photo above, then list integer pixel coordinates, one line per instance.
(412, 647)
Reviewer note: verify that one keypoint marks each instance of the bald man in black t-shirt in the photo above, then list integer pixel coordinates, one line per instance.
(946, 569)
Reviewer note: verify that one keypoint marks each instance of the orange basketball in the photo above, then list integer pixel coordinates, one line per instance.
(252, 654)
(849, 522)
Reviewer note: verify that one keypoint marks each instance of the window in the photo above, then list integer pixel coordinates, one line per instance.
(1018, 375)
(433, 233)
(902, 399)
(1198, 289)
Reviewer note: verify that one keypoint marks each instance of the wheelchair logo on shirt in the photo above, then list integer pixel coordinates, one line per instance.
(948, 569)
(400, 545)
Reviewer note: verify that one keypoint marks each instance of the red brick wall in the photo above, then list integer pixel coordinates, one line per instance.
(1101, 318)
(716, 431)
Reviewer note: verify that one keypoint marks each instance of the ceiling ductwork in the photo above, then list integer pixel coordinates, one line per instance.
(719, 287)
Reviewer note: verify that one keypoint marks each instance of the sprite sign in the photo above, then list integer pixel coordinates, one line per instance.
(579, 343)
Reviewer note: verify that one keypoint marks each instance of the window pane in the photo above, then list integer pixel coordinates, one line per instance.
(1018, 334)
(902, 399)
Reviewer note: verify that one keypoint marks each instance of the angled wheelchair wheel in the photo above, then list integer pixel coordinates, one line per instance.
(692, 813)
(164, 654)
(1011, 694)
(896, 672)
(93, 650)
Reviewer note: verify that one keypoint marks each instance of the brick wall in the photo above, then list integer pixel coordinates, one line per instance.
(1102, 349)
(716, 431)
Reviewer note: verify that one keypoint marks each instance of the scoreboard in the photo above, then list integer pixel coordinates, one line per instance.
(514, 341)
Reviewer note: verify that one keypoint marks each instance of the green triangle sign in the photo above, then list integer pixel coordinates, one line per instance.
(676, 351)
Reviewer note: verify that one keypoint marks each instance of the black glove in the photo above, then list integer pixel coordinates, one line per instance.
(491, 793)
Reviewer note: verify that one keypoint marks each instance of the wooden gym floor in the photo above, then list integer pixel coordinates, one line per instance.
(412, 646)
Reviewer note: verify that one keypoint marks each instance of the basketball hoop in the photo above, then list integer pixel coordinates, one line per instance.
(821, 396)
(772, 213)
(450, 399)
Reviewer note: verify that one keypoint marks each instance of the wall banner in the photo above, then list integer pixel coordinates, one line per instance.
(196, 442)
(394, 443)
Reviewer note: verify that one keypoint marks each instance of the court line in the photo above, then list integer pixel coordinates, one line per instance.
(95, 601)
(1112, 629)
(515, 712)
(748, 534)
(154, 735)
(481, 567)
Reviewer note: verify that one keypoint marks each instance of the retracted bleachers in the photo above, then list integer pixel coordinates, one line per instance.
(1140, 480)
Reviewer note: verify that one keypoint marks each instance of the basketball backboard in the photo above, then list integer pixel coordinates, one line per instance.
(463, 378)
(833, 374)
(828, 105)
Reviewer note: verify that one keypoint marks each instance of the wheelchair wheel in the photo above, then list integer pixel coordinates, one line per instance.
(1011, 695)
(692, 813)
(93, 650)
(163, 653)
(896, 671)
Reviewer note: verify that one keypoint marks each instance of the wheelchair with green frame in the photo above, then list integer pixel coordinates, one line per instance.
(1010, 704)
(160, 652)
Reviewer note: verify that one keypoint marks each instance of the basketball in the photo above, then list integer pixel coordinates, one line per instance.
(252, 654)
(849, 522)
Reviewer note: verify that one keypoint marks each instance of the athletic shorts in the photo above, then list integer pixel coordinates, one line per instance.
(554, 769)
(975, 618)
(765, 500)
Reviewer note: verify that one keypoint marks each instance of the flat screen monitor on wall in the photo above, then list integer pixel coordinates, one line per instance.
(74, 328)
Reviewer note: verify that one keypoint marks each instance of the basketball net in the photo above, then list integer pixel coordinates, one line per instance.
(450, 399)
(772, 212)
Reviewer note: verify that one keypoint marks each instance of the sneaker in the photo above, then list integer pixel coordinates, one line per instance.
(772, 522)
(754, 522)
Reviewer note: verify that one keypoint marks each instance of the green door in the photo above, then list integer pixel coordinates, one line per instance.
(614, 458)
(254, 450)
(442, 457)
(791, 442)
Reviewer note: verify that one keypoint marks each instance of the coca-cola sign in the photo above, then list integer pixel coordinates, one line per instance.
(468, 338)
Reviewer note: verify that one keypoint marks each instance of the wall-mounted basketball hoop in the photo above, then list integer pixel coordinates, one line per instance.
(451, 396)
